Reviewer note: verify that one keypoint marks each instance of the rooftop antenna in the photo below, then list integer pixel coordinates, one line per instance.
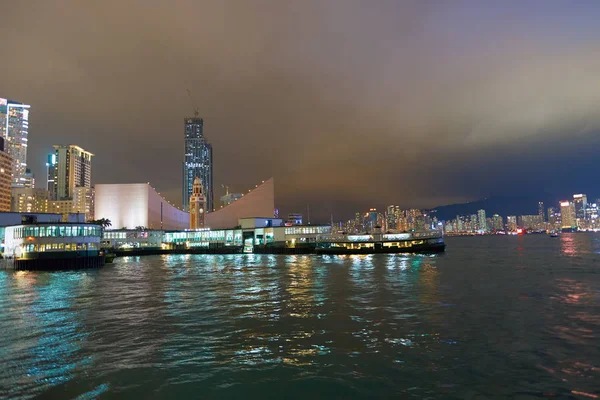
(194, 106)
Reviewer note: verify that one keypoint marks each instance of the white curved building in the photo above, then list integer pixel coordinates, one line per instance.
(259, 202)
(137, 204)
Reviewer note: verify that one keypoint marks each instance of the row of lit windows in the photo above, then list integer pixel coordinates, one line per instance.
(57, 231)
(40, 248)
(305, 230)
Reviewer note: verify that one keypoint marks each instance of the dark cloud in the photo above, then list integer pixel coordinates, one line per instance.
(348, 104)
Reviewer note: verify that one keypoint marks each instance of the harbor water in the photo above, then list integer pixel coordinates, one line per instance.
(491, 318)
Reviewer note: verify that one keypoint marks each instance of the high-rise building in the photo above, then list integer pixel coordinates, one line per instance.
(541, 210)
(580, 203)
(511, 223)
(197, 206)
(391, 218)
(50, 174)
(83, 201)
(567, 214)
(498, 223)
(14, 128)
(30, 200)
(6, 177)
(482, 223)
(29, 181)
(73, 169)
(198, 162)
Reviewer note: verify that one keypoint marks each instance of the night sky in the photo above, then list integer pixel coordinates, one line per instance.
(348, 104)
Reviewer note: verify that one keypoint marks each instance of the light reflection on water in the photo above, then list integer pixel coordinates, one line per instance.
(491, 317)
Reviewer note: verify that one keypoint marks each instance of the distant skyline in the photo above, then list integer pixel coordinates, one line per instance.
(347, 104)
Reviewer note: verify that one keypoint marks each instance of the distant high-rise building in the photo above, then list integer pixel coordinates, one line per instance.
(580, 203)
(553, 217)
(14, 128)
(29, 181)
(481, 219)
(391, 218)
(6, 177)
(498, 223)
(197, 206)
(30, 200)
(50, 174)
(84, 201)
(73, 169)
(541, 210)
(198, 162)
(567, 214)
(511, 223)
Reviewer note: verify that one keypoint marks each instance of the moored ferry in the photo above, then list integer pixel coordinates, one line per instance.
(405, 242)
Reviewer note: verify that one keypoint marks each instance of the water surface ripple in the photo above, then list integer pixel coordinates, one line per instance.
(493, 318)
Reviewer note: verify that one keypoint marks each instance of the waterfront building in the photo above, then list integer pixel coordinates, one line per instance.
(197, 206)
(541, 211)
(73, 169)
(28, 200)
(498, 223)
(198, 162)
(511, 223)
(14, 129)
(124, 239)
(6, 177)
(482, 222)
(294, 219)
(567, 213)
(52, 241)
(258, 202)
(137, 204)
(579, 203)
(530, 222)
(83, 201)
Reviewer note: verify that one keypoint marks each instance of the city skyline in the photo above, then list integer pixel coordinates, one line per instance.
(455, 108)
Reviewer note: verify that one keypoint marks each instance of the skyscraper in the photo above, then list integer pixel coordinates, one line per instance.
(197, 162)
(541, 211)
(567, 214)
(580, 203)
(481, 219)
(73, 169)
(14, 128)
(50, 173)
(6, 165)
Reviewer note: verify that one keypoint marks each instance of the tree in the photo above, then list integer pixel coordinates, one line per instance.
(103, 222)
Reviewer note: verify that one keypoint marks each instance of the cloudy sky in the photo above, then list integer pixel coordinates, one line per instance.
(349, 104)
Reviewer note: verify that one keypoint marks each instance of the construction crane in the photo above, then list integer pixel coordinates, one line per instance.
(195, 107)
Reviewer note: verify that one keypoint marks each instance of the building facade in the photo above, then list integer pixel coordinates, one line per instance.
(50, 174)
(137, 204)
(6, 177)
(197, 206)
(198, 162)
(259, 202)
(30, 200)
(83, 201)
(14, 129)
(567, 215)
(73, 169)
